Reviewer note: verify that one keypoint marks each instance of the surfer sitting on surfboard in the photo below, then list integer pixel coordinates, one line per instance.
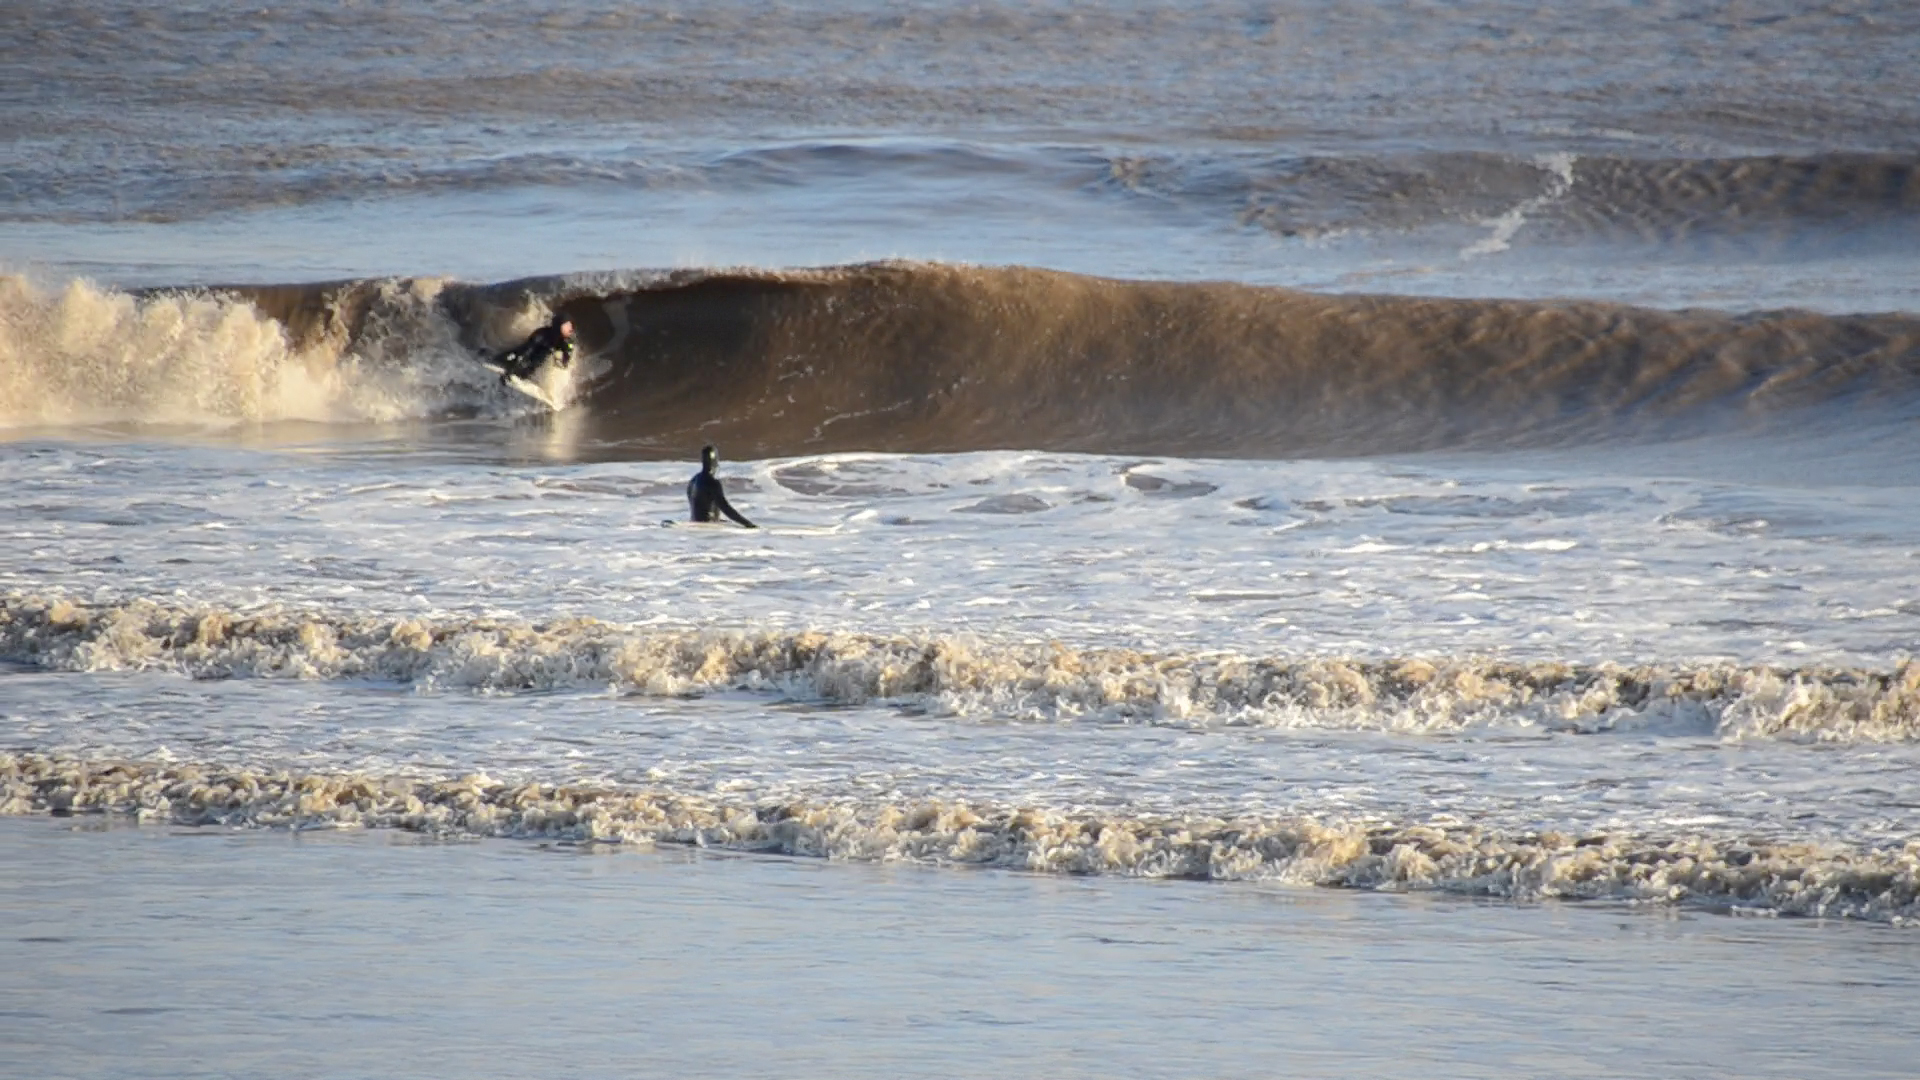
(704, 495)
(553, 341)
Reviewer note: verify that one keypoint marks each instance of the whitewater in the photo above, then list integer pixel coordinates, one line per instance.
(1345, 541)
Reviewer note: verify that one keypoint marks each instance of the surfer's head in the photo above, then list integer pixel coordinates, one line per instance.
(709, 457)
(562, 323)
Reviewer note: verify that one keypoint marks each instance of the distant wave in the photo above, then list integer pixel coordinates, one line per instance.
(960, 676)
(1563, 198)
(1700, 871)
(918, 357)
(1566, 197)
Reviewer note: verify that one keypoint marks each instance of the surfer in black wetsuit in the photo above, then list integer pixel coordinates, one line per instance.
(704, 495)
(553, 341)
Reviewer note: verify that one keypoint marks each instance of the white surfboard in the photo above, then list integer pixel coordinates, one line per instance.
(523, 386)
(532, 390)
(762, 530)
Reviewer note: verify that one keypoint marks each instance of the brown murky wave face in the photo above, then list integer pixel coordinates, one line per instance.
(924, 357)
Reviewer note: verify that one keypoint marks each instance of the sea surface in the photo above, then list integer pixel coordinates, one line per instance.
(1294, 539)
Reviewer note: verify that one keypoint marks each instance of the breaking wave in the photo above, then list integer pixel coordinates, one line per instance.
(1028, 682)
(1759, 876)
(916, 357)
(86, 355)
(913, 357)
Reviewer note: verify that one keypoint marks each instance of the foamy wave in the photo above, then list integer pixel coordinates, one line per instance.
(1048, 683)
(87, 355)
(1775, 878)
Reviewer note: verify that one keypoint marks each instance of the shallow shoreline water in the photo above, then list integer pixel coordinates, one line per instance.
(172, 952)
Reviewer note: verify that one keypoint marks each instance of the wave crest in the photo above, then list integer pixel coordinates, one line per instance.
(918, 357)
(1035, 682)
(1776, 878)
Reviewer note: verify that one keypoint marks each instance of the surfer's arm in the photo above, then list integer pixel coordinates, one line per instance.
(720, 500)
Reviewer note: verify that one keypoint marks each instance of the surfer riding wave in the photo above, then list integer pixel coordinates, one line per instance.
(553, 341)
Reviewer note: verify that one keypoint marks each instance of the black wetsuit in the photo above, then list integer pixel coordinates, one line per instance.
(704, 497)
(525, 359)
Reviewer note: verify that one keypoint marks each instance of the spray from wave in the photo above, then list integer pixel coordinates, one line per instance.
(86, 355)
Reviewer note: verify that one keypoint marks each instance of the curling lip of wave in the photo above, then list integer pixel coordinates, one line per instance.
(1755, 875)
(1047, 683)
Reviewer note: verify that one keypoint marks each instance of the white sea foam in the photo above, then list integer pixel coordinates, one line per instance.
(1564, 561)
(963, 677)
(1169, 639)
(1795, 879)
(84, 354)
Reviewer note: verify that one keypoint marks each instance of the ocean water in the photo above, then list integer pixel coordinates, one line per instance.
(1403, 498)
(695, 964)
